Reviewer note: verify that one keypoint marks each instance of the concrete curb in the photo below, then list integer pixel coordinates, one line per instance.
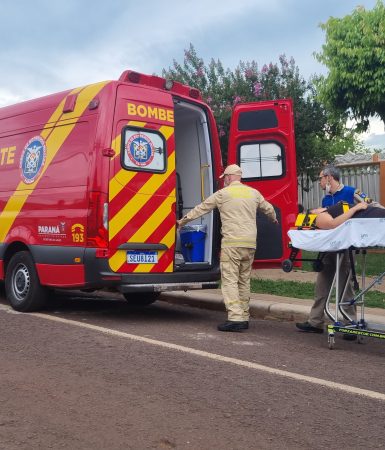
(266, 307)
(259, 309)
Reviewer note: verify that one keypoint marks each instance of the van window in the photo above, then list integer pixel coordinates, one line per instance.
(143, 150)
(261, 160)
(257, 120)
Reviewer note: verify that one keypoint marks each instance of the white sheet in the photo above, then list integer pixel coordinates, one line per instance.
(359, 233)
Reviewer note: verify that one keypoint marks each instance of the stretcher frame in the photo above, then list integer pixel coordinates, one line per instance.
(358, 327)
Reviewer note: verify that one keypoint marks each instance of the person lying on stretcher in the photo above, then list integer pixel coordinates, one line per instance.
(333, 216)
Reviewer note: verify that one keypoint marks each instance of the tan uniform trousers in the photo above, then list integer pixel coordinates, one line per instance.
(322, 288)
(236, 265)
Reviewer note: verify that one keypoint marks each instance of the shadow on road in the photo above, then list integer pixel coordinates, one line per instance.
(114, 306)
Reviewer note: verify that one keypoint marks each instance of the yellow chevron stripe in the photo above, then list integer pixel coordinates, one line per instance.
(144, 232)
(169, 239)
(170, 268)
(166, 131)
(131, 208)
(153, 222)
(117, 260)
(124, 176)
(47, 129)
(54, 140)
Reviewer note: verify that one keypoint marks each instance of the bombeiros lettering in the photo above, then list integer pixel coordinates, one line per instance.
(150, 112)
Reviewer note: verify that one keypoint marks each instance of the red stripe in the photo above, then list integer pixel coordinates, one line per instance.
(164, 261)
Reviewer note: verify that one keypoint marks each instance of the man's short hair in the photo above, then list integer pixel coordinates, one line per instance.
(332, 171)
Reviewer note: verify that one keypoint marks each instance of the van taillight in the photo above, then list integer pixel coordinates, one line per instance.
(97, 233)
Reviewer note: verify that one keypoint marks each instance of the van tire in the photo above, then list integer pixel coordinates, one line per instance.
(141, 299)
(22, 286)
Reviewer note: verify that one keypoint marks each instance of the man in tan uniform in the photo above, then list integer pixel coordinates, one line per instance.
(237, 205)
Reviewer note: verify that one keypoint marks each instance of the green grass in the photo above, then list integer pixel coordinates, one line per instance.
(295, 289)
(375, 262)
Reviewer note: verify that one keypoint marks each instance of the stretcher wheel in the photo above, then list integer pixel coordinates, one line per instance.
(360, 339)
(331, 341)
(287, 265)
(318, 265)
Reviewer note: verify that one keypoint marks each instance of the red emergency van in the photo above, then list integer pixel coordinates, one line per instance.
(93, 179)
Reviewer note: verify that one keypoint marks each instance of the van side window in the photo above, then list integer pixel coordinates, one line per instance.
(143, 150)
(261, 160)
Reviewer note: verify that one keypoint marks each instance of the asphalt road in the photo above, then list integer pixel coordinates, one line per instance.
(90, 373)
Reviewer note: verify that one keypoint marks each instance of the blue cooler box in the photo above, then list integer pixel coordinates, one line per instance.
(192, 238)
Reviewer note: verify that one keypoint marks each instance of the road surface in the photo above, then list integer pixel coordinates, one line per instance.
(90, 373)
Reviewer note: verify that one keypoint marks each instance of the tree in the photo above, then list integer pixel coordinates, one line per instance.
(319, 136)
(354, 53)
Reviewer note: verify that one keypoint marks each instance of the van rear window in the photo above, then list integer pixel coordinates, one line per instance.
(143, 150)
(263, 159)
(257, 120)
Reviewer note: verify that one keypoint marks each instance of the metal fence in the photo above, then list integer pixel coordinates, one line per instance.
(363, 176)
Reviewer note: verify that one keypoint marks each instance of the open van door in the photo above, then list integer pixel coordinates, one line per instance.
(142, 187)
(262, 143)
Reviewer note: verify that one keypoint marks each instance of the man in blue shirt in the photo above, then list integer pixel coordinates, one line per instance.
(335, 191)
(329, 180)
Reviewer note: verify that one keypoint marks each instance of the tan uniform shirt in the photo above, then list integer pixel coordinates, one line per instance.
(238, 205)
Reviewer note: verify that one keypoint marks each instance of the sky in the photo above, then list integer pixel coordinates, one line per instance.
(48, 46)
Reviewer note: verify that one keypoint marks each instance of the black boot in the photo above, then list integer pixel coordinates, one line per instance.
(233, 326)
(308, 328)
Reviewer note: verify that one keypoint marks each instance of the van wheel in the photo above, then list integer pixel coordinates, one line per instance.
(22, 286)
(141, 298)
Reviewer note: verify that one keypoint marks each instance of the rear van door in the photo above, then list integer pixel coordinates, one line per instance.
(142, 183)
(262, 142)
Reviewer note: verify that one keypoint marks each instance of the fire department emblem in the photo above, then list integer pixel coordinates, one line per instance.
(140, 150)
(32, 159)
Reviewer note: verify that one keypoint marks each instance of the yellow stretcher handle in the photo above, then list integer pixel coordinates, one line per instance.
(300, 221)
(345, 207)
(308, 220)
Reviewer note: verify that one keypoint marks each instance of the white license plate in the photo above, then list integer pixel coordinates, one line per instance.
(134, 257)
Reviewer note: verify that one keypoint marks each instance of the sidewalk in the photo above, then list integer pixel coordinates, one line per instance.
(268, 307)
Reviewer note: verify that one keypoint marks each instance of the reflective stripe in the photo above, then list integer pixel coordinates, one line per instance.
(55, 137)
(236, 243)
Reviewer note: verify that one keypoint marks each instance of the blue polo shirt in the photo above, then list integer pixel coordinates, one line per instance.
(346, 194)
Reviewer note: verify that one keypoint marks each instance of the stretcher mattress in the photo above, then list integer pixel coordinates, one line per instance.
(358, 233)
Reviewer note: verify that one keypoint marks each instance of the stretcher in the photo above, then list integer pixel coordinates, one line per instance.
(354, 235)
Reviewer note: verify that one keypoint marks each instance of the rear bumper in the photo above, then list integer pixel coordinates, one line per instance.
(163, 287)
(195, 276)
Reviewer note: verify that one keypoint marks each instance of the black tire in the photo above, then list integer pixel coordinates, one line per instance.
(287, 265)
(22, 286)
(141, 299)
